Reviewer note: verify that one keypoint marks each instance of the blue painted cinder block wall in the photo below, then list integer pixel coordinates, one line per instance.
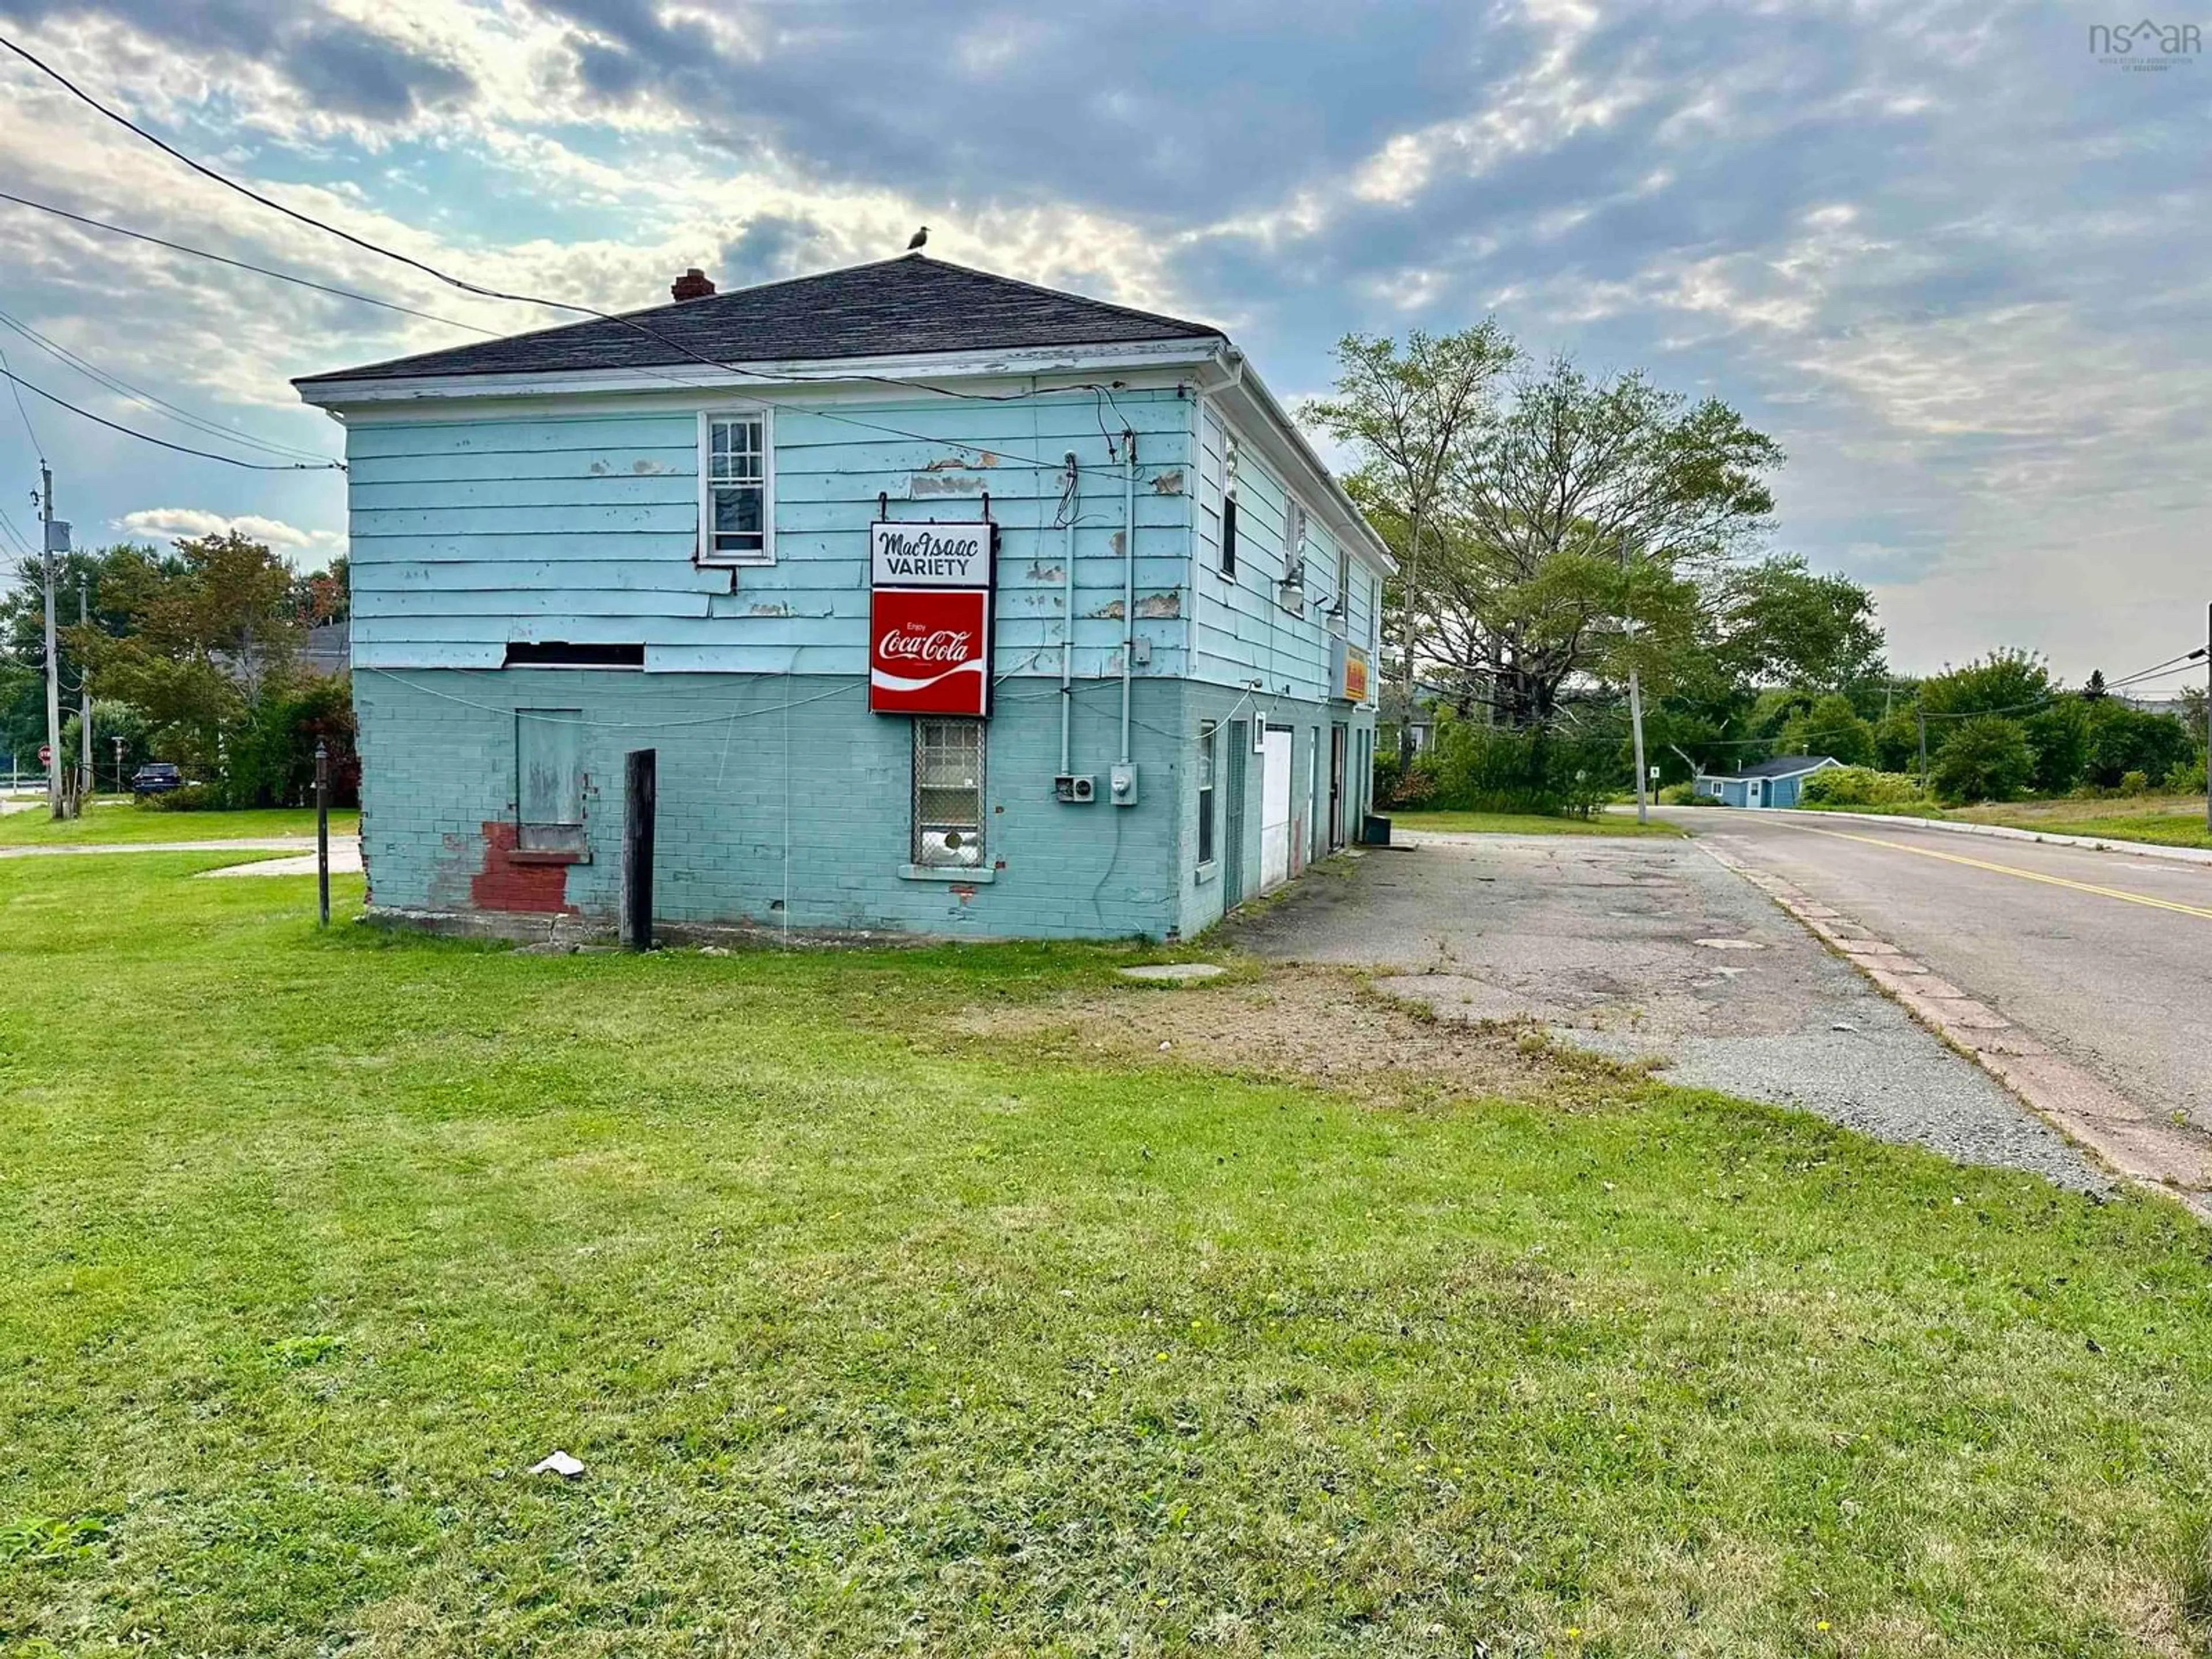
(783, 801)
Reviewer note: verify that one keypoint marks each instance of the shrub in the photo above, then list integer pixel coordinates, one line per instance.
(192, 797)
(1483, 768)
(1417, 786)
(271, 753)
(1986, 758)
(2186, 778)
(1860, 786)
(1680, 794)
(2134, 783)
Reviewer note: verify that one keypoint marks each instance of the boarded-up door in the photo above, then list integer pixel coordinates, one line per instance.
(1232, 818)
(1275, 809)
(549, 755)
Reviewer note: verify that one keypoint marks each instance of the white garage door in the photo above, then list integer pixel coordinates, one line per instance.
(1275, 809)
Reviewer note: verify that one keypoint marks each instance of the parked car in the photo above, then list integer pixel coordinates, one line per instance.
(156, 778)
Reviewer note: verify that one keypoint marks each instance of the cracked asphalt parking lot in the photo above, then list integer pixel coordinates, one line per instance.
(1641, 949)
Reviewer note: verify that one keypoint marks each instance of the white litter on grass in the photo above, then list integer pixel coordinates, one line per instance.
(559, 1463)
(1174, 971)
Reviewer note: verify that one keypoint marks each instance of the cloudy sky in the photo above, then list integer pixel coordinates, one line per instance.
(1955, 262)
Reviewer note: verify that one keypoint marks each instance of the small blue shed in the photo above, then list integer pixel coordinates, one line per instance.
(1775, 782)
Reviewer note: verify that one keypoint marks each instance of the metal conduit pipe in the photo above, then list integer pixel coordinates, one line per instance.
(1128, 581)
(1068, 611)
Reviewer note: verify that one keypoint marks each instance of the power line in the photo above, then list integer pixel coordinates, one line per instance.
(242, 265)
(182, 449)
(2046, 701)
(37, 448)
(14, 535)
(146, 399)
(2197, 655)
(484, 292)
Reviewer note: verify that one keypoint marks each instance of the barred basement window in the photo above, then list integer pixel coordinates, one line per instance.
(1205, 735)
(734, 466)
(948, 793)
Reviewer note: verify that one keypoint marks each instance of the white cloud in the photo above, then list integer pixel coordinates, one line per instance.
(196, 522)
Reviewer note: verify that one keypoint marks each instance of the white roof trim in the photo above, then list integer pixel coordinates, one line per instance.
(1278, 437)
(766, 376)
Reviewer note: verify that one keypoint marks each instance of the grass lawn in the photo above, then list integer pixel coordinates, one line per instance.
(875, 1338)
(130, 822)
(2167, 820)
(1531, 823)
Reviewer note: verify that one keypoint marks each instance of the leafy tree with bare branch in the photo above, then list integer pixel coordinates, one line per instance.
(1405, 416)
(1590, 521)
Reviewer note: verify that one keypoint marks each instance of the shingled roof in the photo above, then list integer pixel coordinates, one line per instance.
(892, 307)
(1783, 765)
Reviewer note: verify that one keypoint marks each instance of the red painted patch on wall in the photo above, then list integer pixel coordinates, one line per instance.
(505, 884)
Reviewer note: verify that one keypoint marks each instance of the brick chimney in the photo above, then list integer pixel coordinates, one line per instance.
(693, 284)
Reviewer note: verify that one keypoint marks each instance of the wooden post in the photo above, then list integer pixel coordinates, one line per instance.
(640, 787)
(323, 828)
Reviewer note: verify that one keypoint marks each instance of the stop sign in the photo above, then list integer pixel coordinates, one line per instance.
(45, 753)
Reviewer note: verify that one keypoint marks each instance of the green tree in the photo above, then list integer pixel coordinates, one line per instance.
(1897, 740)
(1589, 522)
(1405, 415)
(2005, 682)
(1781, 624)
(77, 575)
(1831, 726)
(2059, 735)
(1984, 757)
(208, 636)
(2124, 740)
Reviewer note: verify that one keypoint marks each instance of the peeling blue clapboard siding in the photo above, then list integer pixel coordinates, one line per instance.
(471, 533)
(1241, 631)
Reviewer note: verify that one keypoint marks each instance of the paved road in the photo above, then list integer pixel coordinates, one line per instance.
(1641, 948)
(2106, 958)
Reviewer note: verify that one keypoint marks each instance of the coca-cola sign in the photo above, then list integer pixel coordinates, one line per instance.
(930, 651)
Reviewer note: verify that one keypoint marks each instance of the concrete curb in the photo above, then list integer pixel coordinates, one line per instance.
(2161, 1156)
(2006, 832)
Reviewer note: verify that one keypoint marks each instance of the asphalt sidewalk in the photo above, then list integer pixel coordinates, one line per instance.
(1643, 948)
(249, 844)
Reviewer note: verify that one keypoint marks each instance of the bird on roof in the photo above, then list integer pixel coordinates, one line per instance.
(914, 241)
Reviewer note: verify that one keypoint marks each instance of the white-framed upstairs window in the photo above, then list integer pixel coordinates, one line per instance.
(737, 487)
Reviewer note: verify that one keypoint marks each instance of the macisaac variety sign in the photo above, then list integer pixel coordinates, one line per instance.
(929, 611)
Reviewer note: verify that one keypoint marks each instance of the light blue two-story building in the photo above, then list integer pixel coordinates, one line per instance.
(949, 604)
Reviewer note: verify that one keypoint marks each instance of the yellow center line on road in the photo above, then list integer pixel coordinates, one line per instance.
(2014, 870)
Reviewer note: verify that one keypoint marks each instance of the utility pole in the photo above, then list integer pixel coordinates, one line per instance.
(84, 788)
(1636, 708)
(2208, 712)
(53, 655)
(1635, 722)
